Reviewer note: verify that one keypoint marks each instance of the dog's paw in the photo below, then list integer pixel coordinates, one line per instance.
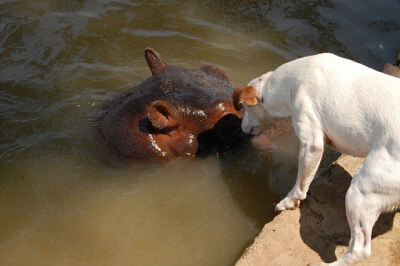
(287, 203)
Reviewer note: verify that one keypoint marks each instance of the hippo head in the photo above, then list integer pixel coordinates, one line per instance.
(163, 116)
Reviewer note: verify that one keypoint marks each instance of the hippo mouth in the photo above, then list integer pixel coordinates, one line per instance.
(226, 135)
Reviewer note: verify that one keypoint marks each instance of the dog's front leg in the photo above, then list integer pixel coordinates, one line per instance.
(310, 154)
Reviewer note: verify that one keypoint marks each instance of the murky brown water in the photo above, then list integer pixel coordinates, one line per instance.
(63, 203)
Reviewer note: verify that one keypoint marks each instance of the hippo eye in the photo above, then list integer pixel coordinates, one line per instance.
(144, 125)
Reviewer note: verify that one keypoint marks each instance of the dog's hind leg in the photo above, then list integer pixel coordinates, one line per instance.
(362, 213)
(374, 189)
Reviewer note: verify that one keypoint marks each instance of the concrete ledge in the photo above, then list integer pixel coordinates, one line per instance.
(318, 231)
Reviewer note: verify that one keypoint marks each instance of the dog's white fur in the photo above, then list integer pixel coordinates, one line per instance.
(350, 107)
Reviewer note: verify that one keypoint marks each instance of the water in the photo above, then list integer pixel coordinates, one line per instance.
(64, 202)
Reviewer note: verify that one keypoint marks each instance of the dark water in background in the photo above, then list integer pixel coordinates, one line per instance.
(63, 203)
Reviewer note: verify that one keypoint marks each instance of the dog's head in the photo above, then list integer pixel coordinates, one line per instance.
(256, 116)
(249, 98)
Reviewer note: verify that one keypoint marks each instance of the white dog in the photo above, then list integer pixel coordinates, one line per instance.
(348, 106)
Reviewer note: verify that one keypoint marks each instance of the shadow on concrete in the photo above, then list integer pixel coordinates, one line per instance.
(323, 222)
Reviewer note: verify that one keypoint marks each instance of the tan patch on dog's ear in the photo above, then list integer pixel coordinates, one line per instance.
(247, 95)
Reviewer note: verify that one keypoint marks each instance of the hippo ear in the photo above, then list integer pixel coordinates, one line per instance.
(215, 71)
(247, 95)
(155, 61)
(163, 115)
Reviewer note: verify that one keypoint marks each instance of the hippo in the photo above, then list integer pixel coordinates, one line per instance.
(176, 112)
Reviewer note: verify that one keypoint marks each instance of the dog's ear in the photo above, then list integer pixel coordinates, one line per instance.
(247, 95)
(163, 115)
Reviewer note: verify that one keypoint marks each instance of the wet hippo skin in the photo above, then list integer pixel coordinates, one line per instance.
(163, 116)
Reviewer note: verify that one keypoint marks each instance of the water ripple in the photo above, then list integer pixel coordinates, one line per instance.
(27, 142)
(159, 33)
